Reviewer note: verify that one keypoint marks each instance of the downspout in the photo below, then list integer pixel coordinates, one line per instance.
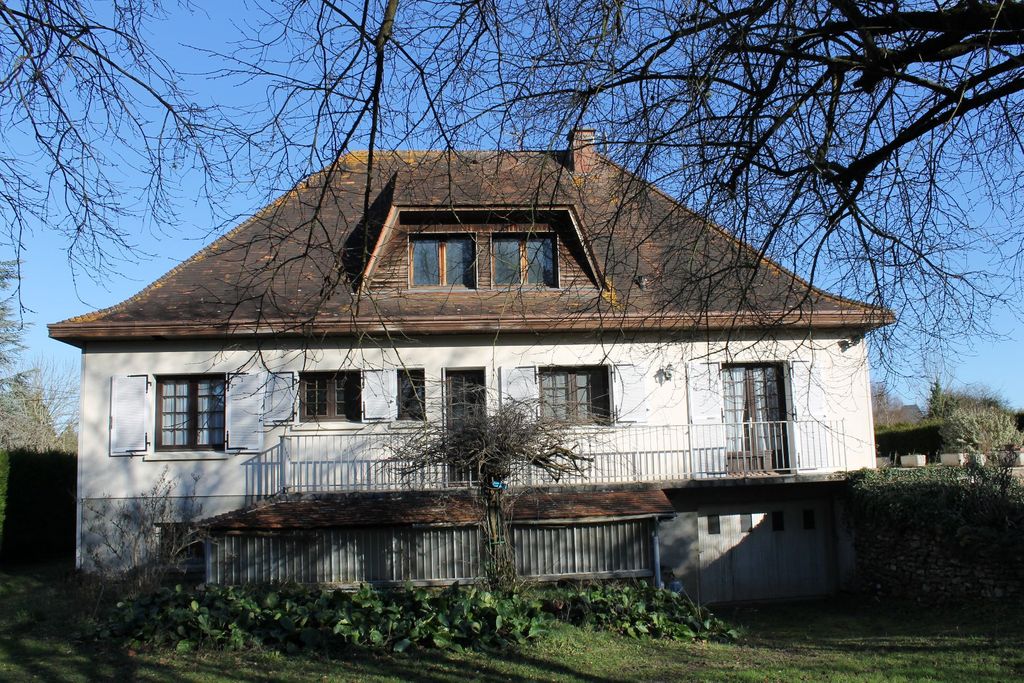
(656, 553)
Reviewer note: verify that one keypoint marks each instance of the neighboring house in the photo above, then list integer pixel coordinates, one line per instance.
(716, 393)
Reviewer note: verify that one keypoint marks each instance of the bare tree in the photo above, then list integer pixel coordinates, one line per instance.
(851, 142)
(491, 451)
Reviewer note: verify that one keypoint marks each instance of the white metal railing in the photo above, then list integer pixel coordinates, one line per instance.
(364, 461)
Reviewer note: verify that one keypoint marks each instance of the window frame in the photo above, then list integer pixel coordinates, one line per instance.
(524, 259)
(599, 414)
(192, 412)
(468, 388)
(442, 240)
(414, 376)
(332, 396)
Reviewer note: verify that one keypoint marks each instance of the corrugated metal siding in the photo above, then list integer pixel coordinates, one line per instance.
(445, 555)
(622, 547)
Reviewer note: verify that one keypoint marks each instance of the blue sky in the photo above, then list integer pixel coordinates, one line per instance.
(51, 290)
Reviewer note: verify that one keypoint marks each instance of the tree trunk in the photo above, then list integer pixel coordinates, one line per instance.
(499, 563)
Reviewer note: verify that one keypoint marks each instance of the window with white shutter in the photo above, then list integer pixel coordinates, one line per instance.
(519, 385)
(279, 398)
(379, 392)
(630, 392)
(244, 412)
(129, 414)
(704, 387)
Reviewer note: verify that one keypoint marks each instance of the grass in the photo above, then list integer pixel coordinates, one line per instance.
(840, 640)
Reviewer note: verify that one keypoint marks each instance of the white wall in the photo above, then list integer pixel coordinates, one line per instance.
(844, 370)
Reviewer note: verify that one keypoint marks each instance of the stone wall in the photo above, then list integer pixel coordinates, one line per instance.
(933, 566)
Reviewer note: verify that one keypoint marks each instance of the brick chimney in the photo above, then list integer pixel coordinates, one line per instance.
(582, 155)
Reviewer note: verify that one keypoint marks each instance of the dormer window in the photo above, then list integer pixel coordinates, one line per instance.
(525, 259)
(442, 261)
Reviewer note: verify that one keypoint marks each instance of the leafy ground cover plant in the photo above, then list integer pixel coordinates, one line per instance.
(293, 618)
(637, 610)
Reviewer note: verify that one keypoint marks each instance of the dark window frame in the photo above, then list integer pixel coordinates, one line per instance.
(475, 393)
(600, 410)
(192, 413)
(442, 259)
(411, 408)
(524, 259)
(331, 391)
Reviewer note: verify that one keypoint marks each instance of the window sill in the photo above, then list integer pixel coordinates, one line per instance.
(316, 427)
(172, 456)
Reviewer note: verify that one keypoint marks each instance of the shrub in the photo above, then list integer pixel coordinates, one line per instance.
(637, 610)
(960, 502)
(904, 439)
(39, 522)
(292, 618)
(980, 429)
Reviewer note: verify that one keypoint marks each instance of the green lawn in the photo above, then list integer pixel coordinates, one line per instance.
(829, 640)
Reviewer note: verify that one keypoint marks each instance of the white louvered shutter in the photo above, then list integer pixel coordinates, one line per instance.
(807, 382)
(243, 412)
(520, 385)
(380, 395)
(280, 395)
(707, 431)
(129, 414)
(704, 387)
(629, 388)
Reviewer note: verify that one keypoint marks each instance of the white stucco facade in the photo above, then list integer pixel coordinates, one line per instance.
(223, 480)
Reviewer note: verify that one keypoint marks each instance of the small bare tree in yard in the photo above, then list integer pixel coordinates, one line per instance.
(490, 450)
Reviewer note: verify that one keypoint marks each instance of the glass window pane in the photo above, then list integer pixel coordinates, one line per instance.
(209, 413)
(554, 388)
(507, 264)
(425, 264)
(540, 259)
(460, 266)
(174, 421)
(348, 396)
(411, 395)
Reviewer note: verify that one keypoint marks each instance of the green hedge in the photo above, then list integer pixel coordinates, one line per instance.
(957, 501)
(40, 507)
(904, 439)
(5, 468)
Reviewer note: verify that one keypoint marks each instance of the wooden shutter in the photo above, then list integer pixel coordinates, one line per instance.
(704, 387)
(807, 384)
(129, 414)
(282, 390)
(520, 385)
(629, 389)
(380, 395)
(243, 416)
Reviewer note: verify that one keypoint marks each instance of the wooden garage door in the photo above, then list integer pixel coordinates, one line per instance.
(765, 551)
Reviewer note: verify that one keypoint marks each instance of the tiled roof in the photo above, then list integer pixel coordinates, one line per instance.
(447, 508)
(295, 266)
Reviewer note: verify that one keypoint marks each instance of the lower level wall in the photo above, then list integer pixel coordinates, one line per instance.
(428, 555)
(933, 566)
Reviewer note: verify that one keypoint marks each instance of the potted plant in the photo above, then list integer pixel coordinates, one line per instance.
(913, 460)
(953, 459)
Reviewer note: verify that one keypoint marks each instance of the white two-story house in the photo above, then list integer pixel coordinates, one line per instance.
(719, 397)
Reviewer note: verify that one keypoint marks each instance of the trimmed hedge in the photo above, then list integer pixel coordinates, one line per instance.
(961, 502)
(5, 469)
(905, 439)
(40, 507)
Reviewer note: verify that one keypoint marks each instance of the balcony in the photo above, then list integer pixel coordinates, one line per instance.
(363, 461)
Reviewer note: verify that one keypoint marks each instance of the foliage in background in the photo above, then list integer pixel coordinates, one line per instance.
(942, 401)
(5, 469)
(979, 429)
(637, 610)
(967, 505)
(40, 518)
(904, 439)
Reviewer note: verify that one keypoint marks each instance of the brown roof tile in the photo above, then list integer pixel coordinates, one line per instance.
(448, 508)
(295, 266)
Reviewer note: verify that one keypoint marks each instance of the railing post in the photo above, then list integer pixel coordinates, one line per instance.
(282, 448)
